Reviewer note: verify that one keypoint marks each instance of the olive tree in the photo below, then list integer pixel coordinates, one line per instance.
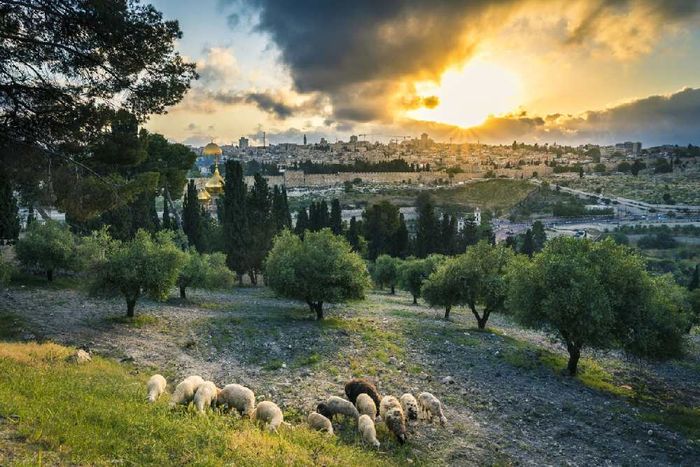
(386, 272)
(145, 265)
(320, 268)
(205, 271)
(596, 295)
(413, 272)
(475, 279)
(48, 247)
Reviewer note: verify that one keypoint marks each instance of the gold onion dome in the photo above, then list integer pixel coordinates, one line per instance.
(215, 184)
(212, 149)
(202, 195)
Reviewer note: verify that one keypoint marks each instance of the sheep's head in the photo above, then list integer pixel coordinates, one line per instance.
(322, 408)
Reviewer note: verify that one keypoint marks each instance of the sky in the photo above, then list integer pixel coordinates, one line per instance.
(545, 71)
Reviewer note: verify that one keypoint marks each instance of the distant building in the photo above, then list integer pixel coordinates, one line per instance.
(353, 139)
(304, 140)
(629, 148)
(243, 142)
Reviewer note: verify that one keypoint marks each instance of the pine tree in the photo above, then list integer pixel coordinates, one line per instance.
(192, 217)
(261, 225)
(448, 234)
(235, 220)
(428, 231)
(324, 218)
(539, 237)
(167, 225)
(469, 234)
(9, 219)
(302, 223)
(314, 221)
(336, 220)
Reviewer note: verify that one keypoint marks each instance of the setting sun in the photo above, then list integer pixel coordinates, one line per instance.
(467, 96)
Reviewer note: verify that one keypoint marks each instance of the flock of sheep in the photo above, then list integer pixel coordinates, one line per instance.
(363, 405)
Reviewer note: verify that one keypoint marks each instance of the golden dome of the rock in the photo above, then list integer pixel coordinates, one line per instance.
(212, 149)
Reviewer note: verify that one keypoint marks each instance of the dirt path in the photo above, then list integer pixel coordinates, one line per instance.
(500, 410)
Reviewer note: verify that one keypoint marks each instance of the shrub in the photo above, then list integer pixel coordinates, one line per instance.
(48, 247)
(321, 268)
(6, 271)
(596, 295)
(144, 265)
(204, 271)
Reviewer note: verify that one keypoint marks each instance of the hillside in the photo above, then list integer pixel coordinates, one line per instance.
(506, 399)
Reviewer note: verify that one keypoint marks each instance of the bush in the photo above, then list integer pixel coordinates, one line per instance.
(385, 272)
(476, 277)
(48, 247)
(661, 241)
(6, 271)
(321, 268)
(597, 295)
(144, 265)
(204, 271)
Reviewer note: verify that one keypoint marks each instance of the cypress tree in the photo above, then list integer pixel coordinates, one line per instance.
(192, 217)
(336, 220)
(400, 241)
(528, 247)
(428, 232)
(302, 222)
(695, 279)
(353, 234)
(280, 209)
(324, 219)
(9, 218)
(539, 236)
(261, 225)
(314, 221)
(235, 220)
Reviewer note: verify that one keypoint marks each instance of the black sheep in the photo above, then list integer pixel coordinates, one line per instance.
(358, 386)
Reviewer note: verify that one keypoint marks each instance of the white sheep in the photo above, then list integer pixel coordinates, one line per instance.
(366, 406)
(431, 407)
(393, 417)
(269, 413)
(320, 423)
(184, 392)
(155, 386)
(206, 395)
(337, 405)
(365, 425)
(238, 397)
(409, 404)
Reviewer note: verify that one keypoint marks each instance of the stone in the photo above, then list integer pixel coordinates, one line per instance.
(448, 380)
(80, 357)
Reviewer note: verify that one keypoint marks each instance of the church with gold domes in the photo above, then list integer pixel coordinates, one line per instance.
(213, 187)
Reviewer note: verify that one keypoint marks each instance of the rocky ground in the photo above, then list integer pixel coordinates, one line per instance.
(505, 403)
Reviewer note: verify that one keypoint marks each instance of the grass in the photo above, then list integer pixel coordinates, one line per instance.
(10, 325)
(138, 321)
(96, 414)
(681, 419)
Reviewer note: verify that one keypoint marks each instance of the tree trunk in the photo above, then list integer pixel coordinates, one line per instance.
(183, 294)
(393, 289)
(447, 311)
(574, 355)
(240, 279)
(49, 275)
(316, 307)
(480, 321)
(415, 300)
(130, 305)
(253, 277)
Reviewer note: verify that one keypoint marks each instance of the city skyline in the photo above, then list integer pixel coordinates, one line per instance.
(565, 72)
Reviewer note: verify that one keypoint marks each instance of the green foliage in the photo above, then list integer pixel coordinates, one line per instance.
(236, 232)
(321, 268)
(6, 271)
(380, 223)
(386, 271)
(48, 247)
(204, 271)
(596, 295)
(427, 226)
(192, 216)
(414, 271)
(145, 265)
(9, 219)
(261, 226)
(475, 278)
(93, 249)
(663, 240)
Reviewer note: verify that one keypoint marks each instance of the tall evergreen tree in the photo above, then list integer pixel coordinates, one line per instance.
(314, 221)
(9, 218)
(428, 231)
(192, 217)
(539, 237)
(528, 246)
(380, 223)
(448, 234)
(336, 220)
(261, 225)
(469, 234)
(694, 279)
(235, 220)
(280, 209)
(302, 223)
(400, 242)
(353, 234)
(324, 218)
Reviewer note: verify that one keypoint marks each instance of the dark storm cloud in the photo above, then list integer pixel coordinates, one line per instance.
(267, 101)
